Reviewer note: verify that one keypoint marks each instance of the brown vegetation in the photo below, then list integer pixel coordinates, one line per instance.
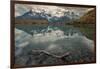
(88, 18)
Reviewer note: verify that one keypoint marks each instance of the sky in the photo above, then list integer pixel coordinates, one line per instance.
(20, 9)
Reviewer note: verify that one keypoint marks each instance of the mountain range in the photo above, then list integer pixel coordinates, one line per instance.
(60, 16)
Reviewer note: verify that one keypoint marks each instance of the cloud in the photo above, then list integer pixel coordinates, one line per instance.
(54, 41)
(20, 9)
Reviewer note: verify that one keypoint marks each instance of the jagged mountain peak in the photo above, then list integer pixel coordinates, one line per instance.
(59, 15)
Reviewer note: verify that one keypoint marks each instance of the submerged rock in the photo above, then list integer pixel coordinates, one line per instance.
(74, 49)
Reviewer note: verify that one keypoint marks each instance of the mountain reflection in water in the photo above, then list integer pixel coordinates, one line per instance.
(55, 40)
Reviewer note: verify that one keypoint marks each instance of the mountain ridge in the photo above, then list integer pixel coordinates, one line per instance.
(65, 17)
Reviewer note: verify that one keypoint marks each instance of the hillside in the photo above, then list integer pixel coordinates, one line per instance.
(87, 23)
(88, 18)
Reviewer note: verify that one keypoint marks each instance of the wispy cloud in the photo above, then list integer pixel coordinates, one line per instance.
(22, 8)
